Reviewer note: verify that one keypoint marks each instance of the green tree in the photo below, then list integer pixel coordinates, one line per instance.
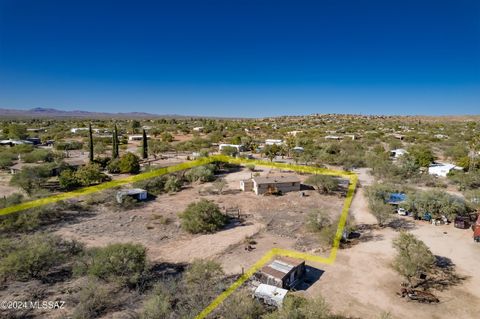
(241, 305)
(172, 184)
(68, 180)
(90, 174)
(229, 151)
(115, 153)
(157, 147)
(31, 178)
(16, 131)
(144, 145)
(90, 143)
(202, 217)
(271, 151)
(220, 185)
(135, 126)
(129, 163)
(296, 307)
(122, 263)
(202, 174)
(413, 256)
(166, 137)
(325, 184)
(422, 155)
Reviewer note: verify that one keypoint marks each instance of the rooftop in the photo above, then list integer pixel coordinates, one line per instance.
(276, 179)
(281, 266)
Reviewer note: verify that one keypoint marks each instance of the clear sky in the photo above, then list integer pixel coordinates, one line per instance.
(242, 57)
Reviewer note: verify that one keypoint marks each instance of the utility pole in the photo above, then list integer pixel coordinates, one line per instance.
(90, 136)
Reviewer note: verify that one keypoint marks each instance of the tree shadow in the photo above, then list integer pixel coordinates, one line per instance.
(442, 276)
(399, 224)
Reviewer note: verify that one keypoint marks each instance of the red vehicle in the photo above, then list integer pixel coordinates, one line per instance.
(476, 230)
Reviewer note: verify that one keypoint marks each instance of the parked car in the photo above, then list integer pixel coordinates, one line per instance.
(402, 211)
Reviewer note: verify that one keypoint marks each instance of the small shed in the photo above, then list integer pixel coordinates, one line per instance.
(270, 295)
(137, 193)
(282, 272)
(246, 185)
(273, 184)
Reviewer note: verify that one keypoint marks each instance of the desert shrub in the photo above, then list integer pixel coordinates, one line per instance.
(220, 184)
(241, 305)
(129, 163)
(68, 146)
(38, 155)
(422, 155)
(31, 178)
(413, 256)
(6, 160)
(201, 174)
(113, 166)
(13, 199)
(229, 151)
(93, 301)
(325, 184)
(90, 174)
(34, 256)
(320, 223)
(437, 203)
(154, 185)
(469, 180)
(158, 305)
(173, 184)
(250, 167)
(121, 263)
(301, 308)
(202, 217)
(68, 180)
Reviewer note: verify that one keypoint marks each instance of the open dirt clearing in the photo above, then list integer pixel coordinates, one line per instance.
(157, 226)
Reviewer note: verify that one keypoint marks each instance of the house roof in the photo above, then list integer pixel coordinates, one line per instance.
(276, 179)
(21, 165)
(281, 266)
(132, 191)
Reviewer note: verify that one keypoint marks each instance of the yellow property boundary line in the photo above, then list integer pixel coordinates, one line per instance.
(352, 177)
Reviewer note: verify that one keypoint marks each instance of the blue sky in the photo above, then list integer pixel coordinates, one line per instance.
(242, 58)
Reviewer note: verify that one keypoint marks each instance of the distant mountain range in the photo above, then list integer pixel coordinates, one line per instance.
(41, 112)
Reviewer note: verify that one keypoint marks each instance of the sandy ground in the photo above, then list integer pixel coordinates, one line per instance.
(5, 188)
(361, 282)
(156, 224)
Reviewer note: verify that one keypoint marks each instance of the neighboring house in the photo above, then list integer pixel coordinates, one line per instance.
(198, 129)
(440, 136)
(352, 136)
(75, 130)
(270, 295)
(282, 272)
(333, 137)
(137, 193)
(138, 137)
(246, 185)
(15, 142)
(274, 184)
(397, 153)
(273, 142)
(237, 146)
(298, 149)
(19, 166)
(294, 133)
(442, 169)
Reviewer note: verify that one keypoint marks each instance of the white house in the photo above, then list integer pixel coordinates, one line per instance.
(198, 129)
(75, 130)
(397, 153)
(137, 137)
(333, 137)
(442, 169)
(137, 193)
(294, 133)
(273, 142)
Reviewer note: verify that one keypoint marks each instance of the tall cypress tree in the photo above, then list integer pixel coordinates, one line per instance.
(115, 143)
(144, 145)
(90, 142)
